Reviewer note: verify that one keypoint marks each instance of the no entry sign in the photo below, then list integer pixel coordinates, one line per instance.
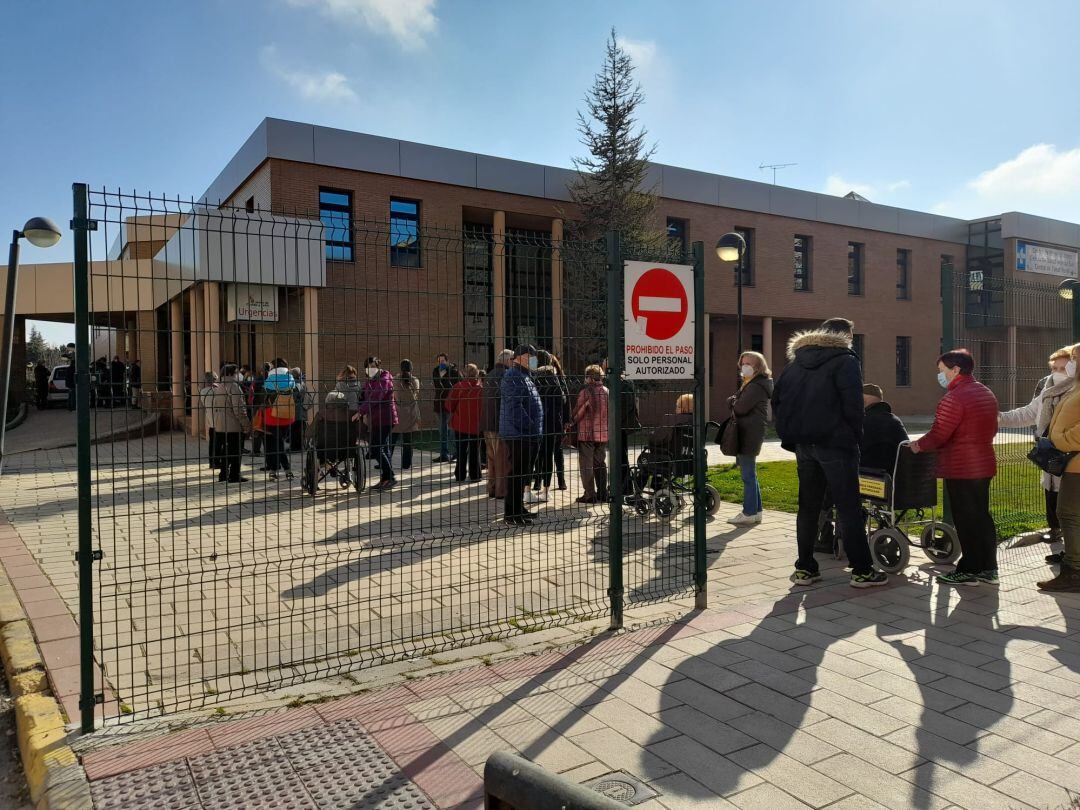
(659, 312)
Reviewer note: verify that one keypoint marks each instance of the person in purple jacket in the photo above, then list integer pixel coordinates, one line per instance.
(378, 407)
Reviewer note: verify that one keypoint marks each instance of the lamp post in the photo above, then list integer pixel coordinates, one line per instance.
(732, 248)
(40, 232)
(1067, 290)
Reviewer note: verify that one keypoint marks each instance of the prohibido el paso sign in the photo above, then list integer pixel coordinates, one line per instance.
(658, 302)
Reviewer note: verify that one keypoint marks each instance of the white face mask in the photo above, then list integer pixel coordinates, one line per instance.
(1059, 377)
(371, 372)
(747, 370)
(1070, 369)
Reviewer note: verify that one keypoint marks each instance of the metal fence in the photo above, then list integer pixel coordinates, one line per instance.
(1011, 326)
(194, 589)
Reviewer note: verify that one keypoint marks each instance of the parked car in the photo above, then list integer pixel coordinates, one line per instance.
(58, 385)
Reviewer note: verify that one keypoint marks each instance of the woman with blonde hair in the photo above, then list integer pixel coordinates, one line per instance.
(1065, 434)
(1037, 414)
(750, 409)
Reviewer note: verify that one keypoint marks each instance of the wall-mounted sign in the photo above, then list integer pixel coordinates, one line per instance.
(1048, 261)
(251, 302)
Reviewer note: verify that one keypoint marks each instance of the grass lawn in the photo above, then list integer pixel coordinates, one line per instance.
(1016, 496)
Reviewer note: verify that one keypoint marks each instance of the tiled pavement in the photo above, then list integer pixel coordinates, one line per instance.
(908, 696)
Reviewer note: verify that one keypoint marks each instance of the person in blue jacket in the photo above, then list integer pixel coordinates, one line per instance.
(521, 422)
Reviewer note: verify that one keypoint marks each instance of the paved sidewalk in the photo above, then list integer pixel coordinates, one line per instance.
(907, 696)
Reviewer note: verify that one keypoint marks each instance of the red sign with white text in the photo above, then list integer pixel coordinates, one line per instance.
(659, 312)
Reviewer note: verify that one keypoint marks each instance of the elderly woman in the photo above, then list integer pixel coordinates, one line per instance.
(1065, 434)
(750, 408)
(963, 436)
(1037, 414)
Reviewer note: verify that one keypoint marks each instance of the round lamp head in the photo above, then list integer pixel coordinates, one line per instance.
(41, 232)
(730, 247)
(1067, 288)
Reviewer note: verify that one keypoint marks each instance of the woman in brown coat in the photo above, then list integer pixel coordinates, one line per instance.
(407, 396)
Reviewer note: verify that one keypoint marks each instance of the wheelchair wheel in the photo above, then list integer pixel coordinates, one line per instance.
(359, 470)
(940, 543)
(712, 499)
(666, 503)
(889, 550)
(310, 475)
(642, 505)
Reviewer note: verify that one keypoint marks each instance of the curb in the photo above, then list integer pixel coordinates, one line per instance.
(53, 774)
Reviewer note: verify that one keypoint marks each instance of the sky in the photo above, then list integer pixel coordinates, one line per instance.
(962, 108)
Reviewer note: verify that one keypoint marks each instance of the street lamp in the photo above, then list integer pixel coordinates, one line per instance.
(732, 248)
(1067, 290)
(39, 232)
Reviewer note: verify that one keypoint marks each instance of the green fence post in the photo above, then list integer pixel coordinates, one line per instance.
(948, 336)
(85, 557)
(1076, 316)
(616, 439)
(701, 597)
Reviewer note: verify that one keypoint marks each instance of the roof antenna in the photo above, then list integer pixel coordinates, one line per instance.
(774, 167)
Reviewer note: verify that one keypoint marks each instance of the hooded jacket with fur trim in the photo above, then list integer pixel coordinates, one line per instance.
(818, 397)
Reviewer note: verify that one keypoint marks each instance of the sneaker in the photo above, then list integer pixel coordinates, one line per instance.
(957, 578)
(871, 579)
(743, 519)
(988, 577)
(543, 497)
(532, 497)
(1055, 558)
(804, 577)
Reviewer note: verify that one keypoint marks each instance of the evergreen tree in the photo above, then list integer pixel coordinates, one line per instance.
(36, 347)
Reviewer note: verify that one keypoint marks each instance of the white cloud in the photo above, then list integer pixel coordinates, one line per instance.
(899, 185)
(838, 186)
(319, 86)
(1041, 179)
(642, 52)
(410, 22)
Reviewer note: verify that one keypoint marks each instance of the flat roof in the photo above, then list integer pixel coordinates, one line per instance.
(310, 143)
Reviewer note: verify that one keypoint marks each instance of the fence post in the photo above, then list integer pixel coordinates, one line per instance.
(1075, 317)
(616, 439)
(701, 597)
(85, 556)
(948, 335)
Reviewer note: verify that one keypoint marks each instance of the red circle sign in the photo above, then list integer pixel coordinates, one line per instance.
(660, 299)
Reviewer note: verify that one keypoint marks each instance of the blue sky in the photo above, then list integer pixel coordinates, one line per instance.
(967, 108)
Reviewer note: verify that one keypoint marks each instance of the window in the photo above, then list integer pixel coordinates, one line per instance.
(903, 361)
(757, 343)
(748, 257)
(854, 268)
(802, 263)
(404, 233)
(676, 233)
(903, 275)
(858, 345)
(249, 206)
(335, 211)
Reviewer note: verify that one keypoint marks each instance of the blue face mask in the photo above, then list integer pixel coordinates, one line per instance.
(442, 366)
(942, 380)
(533, 364)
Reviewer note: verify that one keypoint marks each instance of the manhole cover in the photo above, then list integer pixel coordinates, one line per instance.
(622, 787)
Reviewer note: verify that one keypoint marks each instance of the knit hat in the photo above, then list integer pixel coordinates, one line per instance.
(524, 349)
(872, 390)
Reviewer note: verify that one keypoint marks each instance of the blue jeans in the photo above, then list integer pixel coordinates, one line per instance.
(751, 492)
(447, 444)
(834, 470)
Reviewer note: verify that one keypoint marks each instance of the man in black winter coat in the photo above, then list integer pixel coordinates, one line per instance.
(882, 431)
(818, 408)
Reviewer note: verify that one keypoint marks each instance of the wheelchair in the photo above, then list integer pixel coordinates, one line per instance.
(336, 452)
(662, 482)
(907, 495)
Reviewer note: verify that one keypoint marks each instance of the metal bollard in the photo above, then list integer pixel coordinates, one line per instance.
(513, 783)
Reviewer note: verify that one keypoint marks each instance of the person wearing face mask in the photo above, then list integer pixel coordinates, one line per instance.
(521, 422)
(379, 409)
(963, 436)
(1037, 414)
(1065, 434)
(750, 407)
(443, 378)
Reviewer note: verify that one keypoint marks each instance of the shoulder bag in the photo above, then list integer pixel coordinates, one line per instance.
(1048, 458)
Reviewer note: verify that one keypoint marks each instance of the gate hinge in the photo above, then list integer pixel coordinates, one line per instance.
(96, 700)
(97, 555)
(87, 224)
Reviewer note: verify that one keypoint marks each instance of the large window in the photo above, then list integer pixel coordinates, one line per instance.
(404, 233)
(903, 361)
(854, 268)
(335, 211)
(802, 247)
(748, 257)
(903, 275)
(676, 233)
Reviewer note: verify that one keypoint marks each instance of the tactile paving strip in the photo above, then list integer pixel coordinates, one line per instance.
(334, 767)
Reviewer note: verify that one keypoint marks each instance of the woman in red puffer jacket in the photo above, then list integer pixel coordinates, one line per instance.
(463, 403)
(963, 436)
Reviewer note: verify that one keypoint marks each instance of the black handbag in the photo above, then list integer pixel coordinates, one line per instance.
(1048, 458)
(728, 437)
